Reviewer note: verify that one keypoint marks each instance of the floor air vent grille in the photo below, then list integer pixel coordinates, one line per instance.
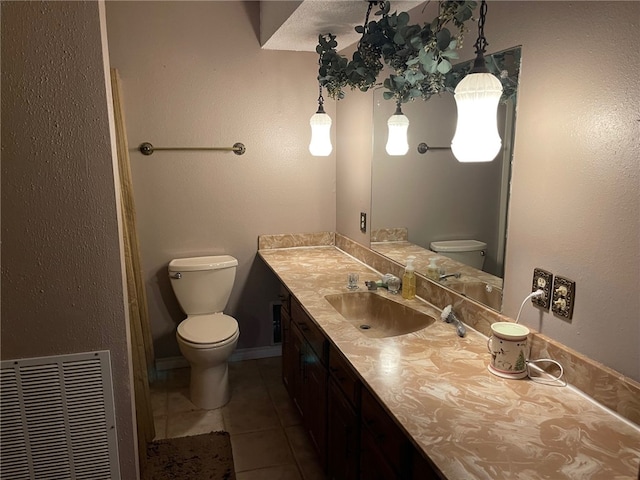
(57, 418)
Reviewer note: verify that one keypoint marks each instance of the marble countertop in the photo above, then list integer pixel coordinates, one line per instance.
(470, 423)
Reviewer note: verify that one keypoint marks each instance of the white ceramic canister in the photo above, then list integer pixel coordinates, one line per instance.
(509, 348)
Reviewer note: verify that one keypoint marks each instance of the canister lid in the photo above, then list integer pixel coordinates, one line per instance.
(214, 328)
(193, 264)
(457, 246)
(509, 330)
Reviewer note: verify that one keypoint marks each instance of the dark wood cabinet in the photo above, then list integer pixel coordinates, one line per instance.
(352, 433)
(315, 403)
(304, 371)
(343, 436)
(343, 429)
(386, 445)
(288, 354)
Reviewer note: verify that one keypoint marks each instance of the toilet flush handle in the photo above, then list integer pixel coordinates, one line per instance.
(177, 275)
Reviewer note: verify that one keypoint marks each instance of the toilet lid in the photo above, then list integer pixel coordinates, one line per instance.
(214, 328)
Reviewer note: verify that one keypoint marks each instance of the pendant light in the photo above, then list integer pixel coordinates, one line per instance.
(398, 125)
(477, 97)
(320, 122)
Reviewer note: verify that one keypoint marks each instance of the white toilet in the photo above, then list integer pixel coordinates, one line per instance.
(207, 337)
(469, 252)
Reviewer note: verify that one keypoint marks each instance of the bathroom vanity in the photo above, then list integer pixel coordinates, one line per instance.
(423, 404)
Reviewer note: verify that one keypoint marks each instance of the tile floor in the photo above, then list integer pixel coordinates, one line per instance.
(267, 438)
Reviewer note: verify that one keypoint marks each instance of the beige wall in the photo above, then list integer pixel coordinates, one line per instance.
(354, 149)
(575, 208)
(193, 74)
(62, 285)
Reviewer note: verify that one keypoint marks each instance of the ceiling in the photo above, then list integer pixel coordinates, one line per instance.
(296, 25)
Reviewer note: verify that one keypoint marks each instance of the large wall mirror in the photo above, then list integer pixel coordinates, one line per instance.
(421, 198)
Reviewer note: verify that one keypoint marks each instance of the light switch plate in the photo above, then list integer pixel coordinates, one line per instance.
(564, 291)
(363, 222)
(542, 280)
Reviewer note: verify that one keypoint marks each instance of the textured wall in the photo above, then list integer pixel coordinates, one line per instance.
(193, 74)
(575, 207)
(62, 286)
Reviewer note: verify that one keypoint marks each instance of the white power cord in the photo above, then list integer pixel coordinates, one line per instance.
(542, 376)
(536, 294)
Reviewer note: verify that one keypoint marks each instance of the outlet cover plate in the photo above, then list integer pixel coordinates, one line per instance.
(564, 291)
(542, 280)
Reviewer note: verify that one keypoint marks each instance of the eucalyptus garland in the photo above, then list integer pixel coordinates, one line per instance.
(419, 56)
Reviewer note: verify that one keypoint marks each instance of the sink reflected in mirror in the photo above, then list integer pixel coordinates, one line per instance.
(487, 294)
(378, 317)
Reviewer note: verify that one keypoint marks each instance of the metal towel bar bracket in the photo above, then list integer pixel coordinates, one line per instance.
(147, 149)
(424, 148)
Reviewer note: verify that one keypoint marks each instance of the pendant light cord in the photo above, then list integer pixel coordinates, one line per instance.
(479, 65)
(320, 100)
(481, 42)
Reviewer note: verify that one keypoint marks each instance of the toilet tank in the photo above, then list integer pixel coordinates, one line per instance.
(203, 285)
(469, 252)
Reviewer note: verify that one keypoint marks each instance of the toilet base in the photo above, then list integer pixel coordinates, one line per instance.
(209, 387)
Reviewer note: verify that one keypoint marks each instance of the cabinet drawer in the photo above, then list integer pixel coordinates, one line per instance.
(344, 376)
(310, 331)
(385, 434)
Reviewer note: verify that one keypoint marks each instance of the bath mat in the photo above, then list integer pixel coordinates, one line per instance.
(198, 457)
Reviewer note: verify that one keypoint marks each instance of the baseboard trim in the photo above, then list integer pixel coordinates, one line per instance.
(170, 363)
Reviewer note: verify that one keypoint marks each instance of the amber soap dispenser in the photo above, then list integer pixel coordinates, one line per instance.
(409, 279)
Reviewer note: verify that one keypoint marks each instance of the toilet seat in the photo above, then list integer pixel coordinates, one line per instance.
(208, 330)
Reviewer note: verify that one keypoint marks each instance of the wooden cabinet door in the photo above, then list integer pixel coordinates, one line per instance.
(288, 353)
(373, 464)
(381, 437)
(297, 369)
(343, 436)
(315, 403)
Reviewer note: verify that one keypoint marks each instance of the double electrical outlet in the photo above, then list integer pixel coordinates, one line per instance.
(559, 294)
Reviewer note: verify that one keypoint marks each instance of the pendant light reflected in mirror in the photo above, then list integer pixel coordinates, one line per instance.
(477, 97)
(398, 124)
(320, 145)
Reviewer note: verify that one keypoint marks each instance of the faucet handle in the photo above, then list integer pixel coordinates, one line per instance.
(371, 285)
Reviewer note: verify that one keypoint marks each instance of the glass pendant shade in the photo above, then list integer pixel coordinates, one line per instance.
(477, 138)
(320, 145)
(397, 143)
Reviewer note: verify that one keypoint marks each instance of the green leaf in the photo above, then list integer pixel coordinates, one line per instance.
(387, 95)
(450, 54)
(413, 76)
(403, 19)
(443, 37)
(398, 39)
(416, 42)
(444, 66)
(398, 81)
(359, 29)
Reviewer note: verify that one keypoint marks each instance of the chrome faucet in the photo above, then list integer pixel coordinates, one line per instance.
(449, 275)
(384, 283)
(371, 285)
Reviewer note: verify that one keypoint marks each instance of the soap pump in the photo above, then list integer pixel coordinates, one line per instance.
(409, 279)
(432, 269)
